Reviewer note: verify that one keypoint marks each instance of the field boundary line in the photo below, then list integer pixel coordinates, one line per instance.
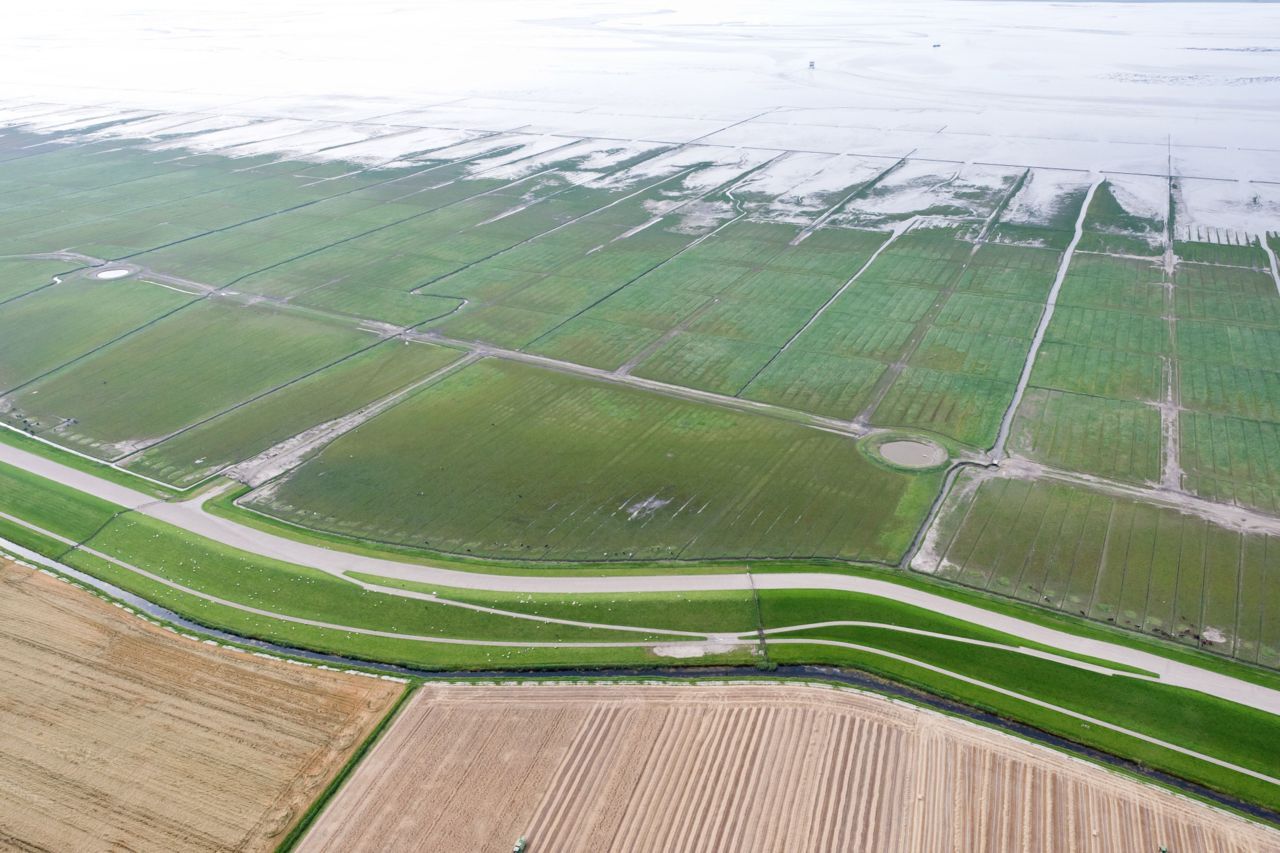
(1006, 423)
(726, 187)
(322, 800)
(897, 231)
(888, 378)
(1271, 258)
(327, 432)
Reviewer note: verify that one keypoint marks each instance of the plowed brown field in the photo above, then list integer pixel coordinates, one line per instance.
(117, 735)
(759, 768)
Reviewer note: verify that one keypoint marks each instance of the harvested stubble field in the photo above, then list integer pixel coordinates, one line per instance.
(118, 735)
(737, 768)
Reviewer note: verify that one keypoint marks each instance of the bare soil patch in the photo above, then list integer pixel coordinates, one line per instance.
(776, 768)
(119, 735)
(908, 453)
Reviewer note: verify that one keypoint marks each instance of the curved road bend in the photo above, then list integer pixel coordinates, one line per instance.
(37, 559)
(190, 516)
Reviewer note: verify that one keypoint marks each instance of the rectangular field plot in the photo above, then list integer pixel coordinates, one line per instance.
(1115, 330)
(1224, 281)
(966, 408)
(1195, 304)
(1114, 438)
(1099, 372)
(658, 305)
(1121, 284)
(1221, 254)
(897, 302)
(854, 335)
(992, 315)
(814, 382)
(1137, 565)
(755, 321)
(507, 460)
(500, 325)
(120, 734)
(1232, 459)
(18, 276)
(971, 353)
(595, 343)
(583, 769)
(1019, 272)
(48, 328)
(242, 432)
(1243, 391)
(184, 368)
(1230, 344)
(706, 362)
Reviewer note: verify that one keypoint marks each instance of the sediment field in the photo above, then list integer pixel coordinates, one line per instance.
(120, 736)
(737, 768)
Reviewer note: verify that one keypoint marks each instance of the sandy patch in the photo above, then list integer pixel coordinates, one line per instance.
(910, 453)
(696, 649)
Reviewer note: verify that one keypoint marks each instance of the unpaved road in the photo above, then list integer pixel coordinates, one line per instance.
(760, 767)
(189, 515)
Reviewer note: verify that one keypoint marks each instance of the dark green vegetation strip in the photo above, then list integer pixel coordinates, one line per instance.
(290, 841)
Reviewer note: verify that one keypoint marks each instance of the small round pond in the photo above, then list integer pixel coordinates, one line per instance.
(912, 453)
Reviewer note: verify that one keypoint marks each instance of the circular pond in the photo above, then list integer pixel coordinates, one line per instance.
(912, 453)
(107, 275)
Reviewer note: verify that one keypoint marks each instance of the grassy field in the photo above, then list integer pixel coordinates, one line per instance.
(186, 367)
(19, 275)
(1228, 381)
(1096, 435)
(1232, 459)
(1119, 561)
(267, 286)
(965, 344)
(478, 464)
(53, 326)
(1111, 225)
(246, 430)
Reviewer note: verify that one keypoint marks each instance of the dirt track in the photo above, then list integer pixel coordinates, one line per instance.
(737, 768)
(120, 736)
